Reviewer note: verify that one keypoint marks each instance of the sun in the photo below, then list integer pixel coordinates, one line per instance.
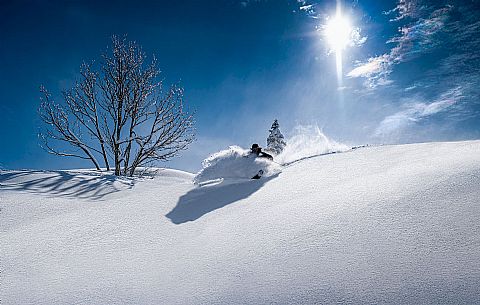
(338, 32)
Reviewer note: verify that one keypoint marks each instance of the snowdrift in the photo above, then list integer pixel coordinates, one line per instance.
(376, 225)
(233, 164)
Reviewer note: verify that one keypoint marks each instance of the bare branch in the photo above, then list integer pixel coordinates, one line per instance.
(54, 116)
(123, 110)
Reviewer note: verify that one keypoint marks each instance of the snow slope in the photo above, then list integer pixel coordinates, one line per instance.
(392, 224)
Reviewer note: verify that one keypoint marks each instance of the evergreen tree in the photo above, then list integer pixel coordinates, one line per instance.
(275, 141)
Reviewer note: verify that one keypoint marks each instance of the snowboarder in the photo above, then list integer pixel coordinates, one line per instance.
(257, 151)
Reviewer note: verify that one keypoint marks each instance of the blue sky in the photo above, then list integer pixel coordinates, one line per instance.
(410, 72)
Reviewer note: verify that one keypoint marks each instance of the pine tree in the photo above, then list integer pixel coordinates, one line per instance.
(275, 141)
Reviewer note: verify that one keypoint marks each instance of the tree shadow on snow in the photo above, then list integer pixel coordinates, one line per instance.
(84, 184)
(206, 199)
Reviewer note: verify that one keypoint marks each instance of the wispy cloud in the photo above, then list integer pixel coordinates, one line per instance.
(375, 70)
(405, 8)
(414, 39)
(307, 8)
(416, 111)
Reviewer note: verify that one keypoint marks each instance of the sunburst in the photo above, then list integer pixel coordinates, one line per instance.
(338, 34)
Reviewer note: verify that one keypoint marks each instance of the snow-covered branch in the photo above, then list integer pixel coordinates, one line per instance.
(121, 106)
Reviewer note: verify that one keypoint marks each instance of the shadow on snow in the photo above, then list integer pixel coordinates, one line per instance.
(60, 183)
(205, 199)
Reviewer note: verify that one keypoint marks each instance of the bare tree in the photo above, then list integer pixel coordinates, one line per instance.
(123, 109)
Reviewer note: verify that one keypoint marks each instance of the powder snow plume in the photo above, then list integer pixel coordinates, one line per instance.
(308, 141)
(237, 163)
(234, 163)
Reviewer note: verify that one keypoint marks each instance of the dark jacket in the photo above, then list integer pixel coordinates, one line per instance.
(258, 151)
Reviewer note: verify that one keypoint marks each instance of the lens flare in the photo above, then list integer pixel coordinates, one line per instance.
(338, 32)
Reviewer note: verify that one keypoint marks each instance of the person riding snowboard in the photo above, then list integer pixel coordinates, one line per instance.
(257, 150)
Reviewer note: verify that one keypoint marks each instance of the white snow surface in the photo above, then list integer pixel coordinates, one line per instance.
(235, 163)
(376, 225)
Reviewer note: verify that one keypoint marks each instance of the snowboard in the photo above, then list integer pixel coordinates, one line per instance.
(258, 175)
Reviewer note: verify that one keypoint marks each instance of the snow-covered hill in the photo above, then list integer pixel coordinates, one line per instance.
(392, 224)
